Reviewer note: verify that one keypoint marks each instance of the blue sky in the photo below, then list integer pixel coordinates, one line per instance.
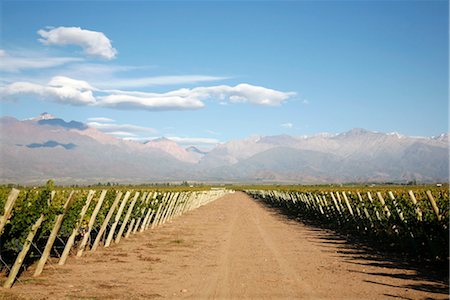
(214, 71)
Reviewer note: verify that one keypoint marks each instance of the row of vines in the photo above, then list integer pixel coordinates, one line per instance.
(406, 221)
(42, 223)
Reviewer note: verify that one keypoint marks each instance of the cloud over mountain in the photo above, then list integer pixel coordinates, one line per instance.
(112, 127)
(67, 90)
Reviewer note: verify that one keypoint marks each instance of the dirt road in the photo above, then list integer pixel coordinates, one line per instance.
(233, 248)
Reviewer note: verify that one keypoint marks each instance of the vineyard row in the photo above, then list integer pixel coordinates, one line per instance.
(82, 220)
(408, 223)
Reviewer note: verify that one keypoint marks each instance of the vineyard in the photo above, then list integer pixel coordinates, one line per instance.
(45, 226)
(411, 221)
(41, 223)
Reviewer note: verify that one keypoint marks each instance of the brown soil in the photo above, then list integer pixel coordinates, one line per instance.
(236, 248)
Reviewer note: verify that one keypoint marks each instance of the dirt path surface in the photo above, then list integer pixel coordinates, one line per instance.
(233, 248)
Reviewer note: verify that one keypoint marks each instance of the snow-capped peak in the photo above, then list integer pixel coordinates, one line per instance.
(43, 116)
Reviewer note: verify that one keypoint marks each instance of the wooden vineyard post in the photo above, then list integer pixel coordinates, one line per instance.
(348, 204)
(177, 207)
(201, 200)
(8, 208)
(106, 221)
(135, 222)
(369, 196)
(433, 203)
(305, 201)
(328, 206)
(197, 200)
(414, 201)
(158, 211)
(130, 228)
(336, 204)
(163, 207)
(127, 217)
(185, 203)
(170, 207)
(340, 202)
(192, 201)
(116, 220)
(169, 203)
(399, 212)
(52, 237)
(71, 239)
(301, 202)
(386, 209)
(138, 224)
(151, 214)
(26, 246)
(148, 216)
(91, 223)
(366, 212)
(146, 219)
(356, 206)
(188, 202)
(317, 201)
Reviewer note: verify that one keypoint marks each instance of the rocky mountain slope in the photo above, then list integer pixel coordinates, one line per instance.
(44, 147)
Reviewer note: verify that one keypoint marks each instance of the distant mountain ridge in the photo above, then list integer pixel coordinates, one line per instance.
(44, 147)
(48, 119)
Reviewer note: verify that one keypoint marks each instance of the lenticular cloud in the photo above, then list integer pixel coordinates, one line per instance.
(66, 90)
(94, 43)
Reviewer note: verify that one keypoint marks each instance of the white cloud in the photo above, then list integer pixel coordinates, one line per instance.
(305, 101)
(242, 93)
(100, 119)
(149, 102)
(140, 138)
(193, 140)
(113, 128)
(60, 89)
(287, 125)
(200, 142)
(122, 134)
(15, 62)
(193, 97)
(77, 92)
(62, 81)
(94, 43)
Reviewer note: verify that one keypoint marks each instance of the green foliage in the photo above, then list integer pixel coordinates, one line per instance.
(401, 229)
(51, 202)
(28, 207)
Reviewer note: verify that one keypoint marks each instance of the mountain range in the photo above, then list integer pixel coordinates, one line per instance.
(45, 147)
